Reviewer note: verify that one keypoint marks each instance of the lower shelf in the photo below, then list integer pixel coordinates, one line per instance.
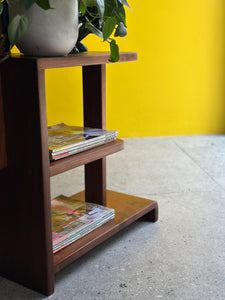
(127, 210)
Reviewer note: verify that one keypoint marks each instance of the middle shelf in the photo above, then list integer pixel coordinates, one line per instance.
(76, 160)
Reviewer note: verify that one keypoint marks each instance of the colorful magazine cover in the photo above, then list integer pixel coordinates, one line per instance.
(62, 137)
(71, 218)
(77, 235)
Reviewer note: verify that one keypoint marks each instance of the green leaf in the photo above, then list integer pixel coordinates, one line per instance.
(115, 10)
(121, 14)
(44, 4)
(93, 29)
(124, 2)
(90, 3)
(74, 50)
(114, 51)
(111, 7)
(82, 8)
(108, 27)
(28, 3)
(121, 30)
(81, 47)
(16, 29)
(100, 4)
(1, 8)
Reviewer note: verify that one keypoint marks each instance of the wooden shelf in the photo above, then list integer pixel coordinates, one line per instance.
(75, 60)
(73, 161)
(127, 210)
(27, 258)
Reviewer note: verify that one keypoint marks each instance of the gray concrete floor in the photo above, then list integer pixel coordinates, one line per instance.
(182, 256)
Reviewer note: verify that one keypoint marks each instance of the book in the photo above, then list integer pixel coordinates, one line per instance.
(65, 140)
(73, 219)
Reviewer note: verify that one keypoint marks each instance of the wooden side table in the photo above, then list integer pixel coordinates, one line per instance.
(26, 236)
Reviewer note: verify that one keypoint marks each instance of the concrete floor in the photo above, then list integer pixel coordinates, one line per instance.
(182, 256)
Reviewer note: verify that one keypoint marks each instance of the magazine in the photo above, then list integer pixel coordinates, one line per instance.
(74, 237)
(64, 140)
(72, 219)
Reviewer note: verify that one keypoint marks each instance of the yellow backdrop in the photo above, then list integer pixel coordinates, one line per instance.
(176, 86)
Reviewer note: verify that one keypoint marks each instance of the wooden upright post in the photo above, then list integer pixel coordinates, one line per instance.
(3, 159)
(27, 210)
(94, 99)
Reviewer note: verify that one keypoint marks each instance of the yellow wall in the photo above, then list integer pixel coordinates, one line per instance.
(176, 86)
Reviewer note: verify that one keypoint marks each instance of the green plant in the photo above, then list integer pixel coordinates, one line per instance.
(104, 18)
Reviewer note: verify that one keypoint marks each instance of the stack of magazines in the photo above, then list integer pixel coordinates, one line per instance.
(72, 219)
(65, 140)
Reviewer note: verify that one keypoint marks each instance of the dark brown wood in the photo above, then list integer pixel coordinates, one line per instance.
(95, 182)
(78, 59)
(73, 161)
(6, 225)
(94, 107)
(94, 96)
(127, 210)
(3, 158)
(27, 256)
(28, 239)
(152, 216)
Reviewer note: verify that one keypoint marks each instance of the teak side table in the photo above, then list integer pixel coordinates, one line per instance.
(25, 170)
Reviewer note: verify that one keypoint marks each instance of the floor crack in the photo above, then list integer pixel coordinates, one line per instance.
(195, 162)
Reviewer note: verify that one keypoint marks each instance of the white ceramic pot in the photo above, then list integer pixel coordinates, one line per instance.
(50, 32)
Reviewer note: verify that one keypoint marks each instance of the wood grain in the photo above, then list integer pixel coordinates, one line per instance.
(79, 159)
(127, 210)
(75, 60)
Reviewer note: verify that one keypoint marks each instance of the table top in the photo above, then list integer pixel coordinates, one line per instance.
(72, 60)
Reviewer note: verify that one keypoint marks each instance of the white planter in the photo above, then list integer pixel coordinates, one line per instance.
(50, 32)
